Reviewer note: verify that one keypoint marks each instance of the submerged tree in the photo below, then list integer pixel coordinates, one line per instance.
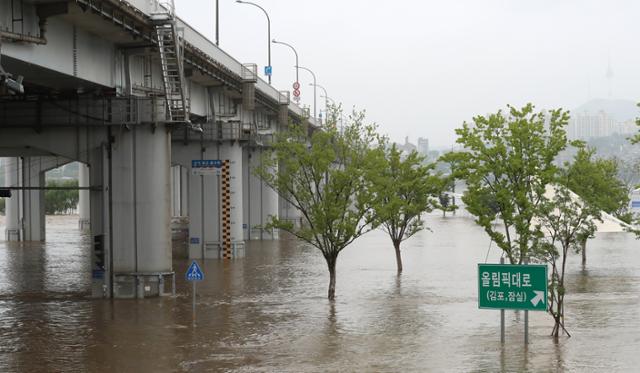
(566, 220)
(327, 178)
(507, 163)
(404, 188)
(445, 203)
(596, 182)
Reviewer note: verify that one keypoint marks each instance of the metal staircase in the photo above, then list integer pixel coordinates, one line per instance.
(171, 49)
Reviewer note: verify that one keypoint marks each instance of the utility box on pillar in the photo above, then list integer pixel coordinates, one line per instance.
(249, 79)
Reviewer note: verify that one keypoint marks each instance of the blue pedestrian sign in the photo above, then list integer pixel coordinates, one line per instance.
(194, 273)
(268, 70)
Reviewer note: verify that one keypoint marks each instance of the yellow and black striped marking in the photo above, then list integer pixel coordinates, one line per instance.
(226, 211)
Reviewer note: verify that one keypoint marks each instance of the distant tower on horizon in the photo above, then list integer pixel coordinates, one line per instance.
(609, 76)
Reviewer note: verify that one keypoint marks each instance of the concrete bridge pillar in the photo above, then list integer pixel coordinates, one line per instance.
(233, 153)
(33, 214)
(99, 217)
(184, 191)
(141, 210)
(269, 208)
(84, 208)
(12, 167)
(261, 200)
(203, 205)
(175, 191)
(207, 208)
(179, 190)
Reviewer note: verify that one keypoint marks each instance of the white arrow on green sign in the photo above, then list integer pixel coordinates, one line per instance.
(508, 286)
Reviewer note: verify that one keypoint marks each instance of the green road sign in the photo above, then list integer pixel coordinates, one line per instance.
(516, 287)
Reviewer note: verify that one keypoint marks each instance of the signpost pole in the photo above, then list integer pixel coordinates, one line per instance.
(502, 315)
(194, 274)
(526, 318)
(194, 302)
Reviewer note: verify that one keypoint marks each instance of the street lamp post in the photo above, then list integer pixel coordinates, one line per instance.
(314, 90)
(294, 52)
(217, 24)
(268, 33)
(326, 98)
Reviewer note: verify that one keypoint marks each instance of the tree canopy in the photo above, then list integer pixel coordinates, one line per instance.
(327, 178)
(404, 188)
(60, 201)
(597, 182)
(507, 162)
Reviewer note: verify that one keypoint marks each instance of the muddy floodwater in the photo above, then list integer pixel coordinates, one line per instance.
(268, 311)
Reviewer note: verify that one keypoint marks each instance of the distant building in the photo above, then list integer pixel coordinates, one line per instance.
(407, 147)
(627, 128)
(423, 146)
(585, 126)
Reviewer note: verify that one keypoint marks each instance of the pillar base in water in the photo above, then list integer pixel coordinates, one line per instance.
(12, 235)
(140, 285)
(237, 251)
(84, 224)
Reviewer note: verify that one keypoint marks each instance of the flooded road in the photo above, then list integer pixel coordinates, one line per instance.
(268, 312)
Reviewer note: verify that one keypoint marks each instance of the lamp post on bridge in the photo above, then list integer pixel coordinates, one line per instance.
(268, 68)
(314, 89)
(326, 98)
(297, 83)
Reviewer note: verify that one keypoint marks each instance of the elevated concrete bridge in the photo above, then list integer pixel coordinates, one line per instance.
(136, 95)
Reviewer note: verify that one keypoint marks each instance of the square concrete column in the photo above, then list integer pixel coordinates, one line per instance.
(84, 204)
(12, 177)
(33, 214)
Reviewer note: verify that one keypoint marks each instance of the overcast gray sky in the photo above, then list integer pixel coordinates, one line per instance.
(420, 68)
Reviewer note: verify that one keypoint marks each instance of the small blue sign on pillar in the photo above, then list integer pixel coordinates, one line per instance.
(268, 70)
(194, 273)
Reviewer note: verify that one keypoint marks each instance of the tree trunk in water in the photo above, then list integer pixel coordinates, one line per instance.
(584, 252)
(558, 317)
(332, 278)
(396, 245)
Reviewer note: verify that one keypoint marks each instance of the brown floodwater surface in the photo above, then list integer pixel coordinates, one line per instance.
(268, 312)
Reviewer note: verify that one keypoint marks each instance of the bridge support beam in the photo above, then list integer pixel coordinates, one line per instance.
(33, 214)
(141, 211)
(98, 159)
(12, 167)
(233, 153)
(84, 205)
(269, 208)
(203, 203)
(261, 200)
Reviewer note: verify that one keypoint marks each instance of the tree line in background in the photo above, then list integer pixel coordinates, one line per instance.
(347, 182)
(57, 201)
(61, 201)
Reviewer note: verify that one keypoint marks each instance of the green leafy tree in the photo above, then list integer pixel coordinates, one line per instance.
(565, 220)
(596, 182)
(404, 188)
(61, 201)
(445, 203)
(327, 178)
(636, 138)
(507, 163)
(451, 164)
